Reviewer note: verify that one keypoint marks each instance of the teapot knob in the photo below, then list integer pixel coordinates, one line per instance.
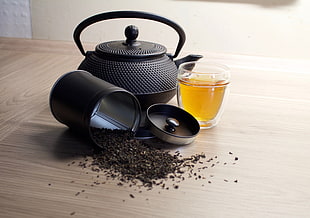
(131, 33)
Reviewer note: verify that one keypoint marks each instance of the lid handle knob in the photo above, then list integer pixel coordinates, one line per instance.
(171, 124)
(131, 33)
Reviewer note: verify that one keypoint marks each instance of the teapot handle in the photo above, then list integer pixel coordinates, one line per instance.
(127, 14)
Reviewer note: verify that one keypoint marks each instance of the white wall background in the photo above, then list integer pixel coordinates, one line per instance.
(15, 19)
(271, 28)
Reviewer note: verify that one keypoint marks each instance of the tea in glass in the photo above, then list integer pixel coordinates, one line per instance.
(202, 90)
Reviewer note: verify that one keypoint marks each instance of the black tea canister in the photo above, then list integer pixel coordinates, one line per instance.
(82, 101)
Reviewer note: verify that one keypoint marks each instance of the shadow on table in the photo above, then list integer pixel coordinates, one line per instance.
(64, 143)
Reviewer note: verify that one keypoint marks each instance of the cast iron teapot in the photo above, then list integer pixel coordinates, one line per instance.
(143, 68)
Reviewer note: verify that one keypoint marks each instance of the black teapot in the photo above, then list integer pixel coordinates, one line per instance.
(143, 68)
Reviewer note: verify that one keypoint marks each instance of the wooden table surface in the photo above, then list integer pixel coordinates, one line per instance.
(266, 125)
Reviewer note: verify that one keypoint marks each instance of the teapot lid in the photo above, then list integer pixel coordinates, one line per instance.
(131, 48)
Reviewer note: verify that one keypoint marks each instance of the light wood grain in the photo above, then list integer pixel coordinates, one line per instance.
(265, 124)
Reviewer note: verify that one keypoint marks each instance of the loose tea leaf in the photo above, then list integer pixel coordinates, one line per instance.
(132, 159)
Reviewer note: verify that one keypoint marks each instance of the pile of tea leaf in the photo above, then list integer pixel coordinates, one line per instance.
(129, 159)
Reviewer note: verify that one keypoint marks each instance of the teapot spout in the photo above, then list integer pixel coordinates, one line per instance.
(188, 58)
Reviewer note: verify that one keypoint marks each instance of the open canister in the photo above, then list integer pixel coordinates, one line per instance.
(82, 101)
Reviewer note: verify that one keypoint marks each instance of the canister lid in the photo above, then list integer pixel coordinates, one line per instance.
(172, 124)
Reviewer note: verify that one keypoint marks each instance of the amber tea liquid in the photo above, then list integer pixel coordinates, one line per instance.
(203, 99)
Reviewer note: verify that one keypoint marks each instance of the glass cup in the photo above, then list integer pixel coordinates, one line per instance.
(202, 91)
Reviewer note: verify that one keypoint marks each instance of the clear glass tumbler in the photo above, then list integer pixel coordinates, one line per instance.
(202, 91)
